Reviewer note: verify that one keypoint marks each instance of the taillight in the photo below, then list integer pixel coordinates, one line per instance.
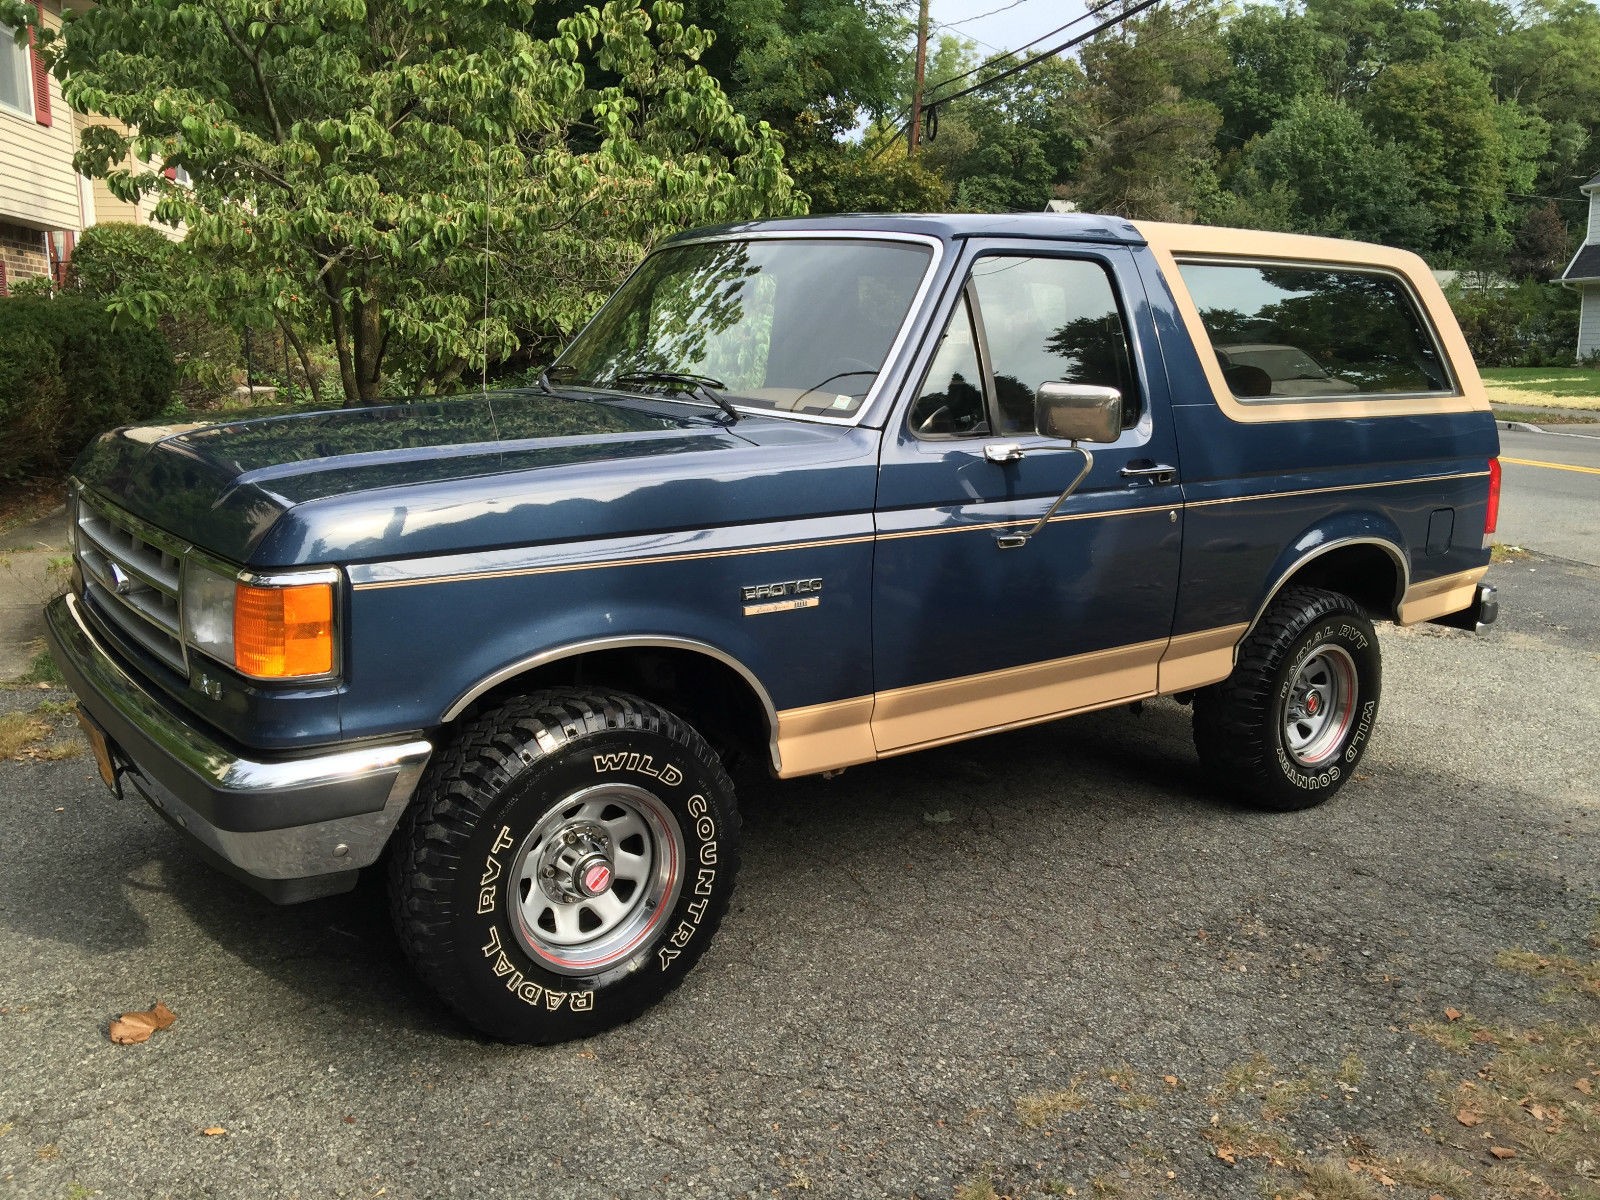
(1491, 516)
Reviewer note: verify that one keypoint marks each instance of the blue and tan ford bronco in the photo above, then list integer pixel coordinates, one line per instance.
(806, 494)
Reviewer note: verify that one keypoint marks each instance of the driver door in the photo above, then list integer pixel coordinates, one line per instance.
(969, 635)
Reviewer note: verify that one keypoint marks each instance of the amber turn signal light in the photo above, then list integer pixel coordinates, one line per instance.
(283, 632)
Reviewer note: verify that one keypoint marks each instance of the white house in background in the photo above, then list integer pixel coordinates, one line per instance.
(1583, 275)
(44, 203)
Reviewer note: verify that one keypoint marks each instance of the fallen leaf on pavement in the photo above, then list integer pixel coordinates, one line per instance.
(1502, 1152)
(1452, 1014)
(1170, 1080)
(1584, 1086)
(213, 1131)
(134, 1027)
(1469, 1118)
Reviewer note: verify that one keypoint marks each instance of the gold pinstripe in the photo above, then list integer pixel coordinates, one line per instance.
(898, 535)
(1345, 487)
(555, 568)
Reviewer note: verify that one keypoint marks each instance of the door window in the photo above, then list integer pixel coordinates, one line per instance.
(1039, 320)
(951, 403)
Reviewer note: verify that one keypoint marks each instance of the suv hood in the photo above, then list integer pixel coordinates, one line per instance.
(406, 478)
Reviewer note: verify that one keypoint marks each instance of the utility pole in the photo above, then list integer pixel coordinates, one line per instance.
(915, 133)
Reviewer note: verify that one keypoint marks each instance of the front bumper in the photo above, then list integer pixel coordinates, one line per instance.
(292, 828)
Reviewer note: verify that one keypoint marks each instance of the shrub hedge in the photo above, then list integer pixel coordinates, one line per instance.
(68, 372)
(1533, 324)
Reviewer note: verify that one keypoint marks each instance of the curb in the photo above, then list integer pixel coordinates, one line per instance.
(1524, 427)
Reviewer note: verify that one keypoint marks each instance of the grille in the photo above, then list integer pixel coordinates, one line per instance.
(131, 572)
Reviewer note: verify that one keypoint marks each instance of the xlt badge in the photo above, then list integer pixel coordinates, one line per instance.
(760, 598)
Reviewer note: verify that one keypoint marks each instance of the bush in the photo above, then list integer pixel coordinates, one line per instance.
(138, 263)
(1531, 325)
(67, 372)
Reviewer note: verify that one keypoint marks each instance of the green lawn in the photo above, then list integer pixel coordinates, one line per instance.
(1561, 387)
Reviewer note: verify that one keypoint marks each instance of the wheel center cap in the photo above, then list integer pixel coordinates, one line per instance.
(593, 877)
(1313, 704)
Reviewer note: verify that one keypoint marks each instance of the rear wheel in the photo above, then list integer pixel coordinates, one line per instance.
(565, 863)
(1293, 720)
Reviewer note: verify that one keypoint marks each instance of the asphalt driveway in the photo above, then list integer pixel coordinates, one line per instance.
(1045, 963)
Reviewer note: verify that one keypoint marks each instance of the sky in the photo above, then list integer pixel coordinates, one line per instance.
(1016, 23)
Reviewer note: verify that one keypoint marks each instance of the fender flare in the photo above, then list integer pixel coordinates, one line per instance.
(1368, 529)
(638, 641)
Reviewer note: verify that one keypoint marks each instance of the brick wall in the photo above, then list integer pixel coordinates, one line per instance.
(22, 252)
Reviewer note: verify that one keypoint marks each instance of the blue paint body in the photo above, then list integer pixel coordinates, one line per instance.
(558, 520)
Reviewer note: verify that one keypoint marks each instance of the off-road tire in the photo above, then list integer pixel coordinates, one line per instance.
(1254, 740)
(489, 811)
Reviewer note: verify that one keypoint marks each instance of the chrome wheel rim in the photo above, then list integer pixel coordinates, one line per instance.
(1320, 707)
(595, 878)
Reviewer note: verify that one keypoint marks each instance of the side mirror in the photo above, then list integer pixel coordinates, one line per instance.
(1078, 412)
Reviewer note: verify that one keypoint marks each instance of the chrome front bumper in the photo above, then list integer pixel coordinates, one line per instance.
(292, 828)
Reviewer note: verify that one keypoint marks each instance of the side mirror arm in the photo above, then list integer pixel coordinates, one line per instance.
(1015, 541)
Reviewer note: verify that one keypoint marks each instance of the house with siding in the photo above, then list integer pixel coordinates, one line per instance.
(1583, 275)
(44, 203)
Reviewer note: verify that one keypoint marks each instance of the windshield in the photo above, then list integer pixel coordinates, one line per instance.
(798, 325)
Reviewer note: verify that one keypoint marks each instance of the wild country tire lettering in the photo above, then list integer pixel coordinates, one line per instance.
(705, 828)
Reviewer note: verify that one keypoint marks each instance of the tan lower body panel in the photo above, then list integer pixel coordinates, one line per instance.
(825, 737)
(1438, 597)
(842, 733)
(1193, 660)
(931, 713)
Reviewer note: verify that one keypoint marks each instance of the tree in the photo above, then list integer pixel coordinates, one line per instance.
(1277, 57)
(423, 179)
(1322, 171)
(1541, 246)
(1466, 150)
(1008, 147)
(1152, 150)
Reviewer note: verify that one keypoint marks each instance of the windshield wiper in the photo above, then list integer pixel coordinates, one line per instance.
(703, 386)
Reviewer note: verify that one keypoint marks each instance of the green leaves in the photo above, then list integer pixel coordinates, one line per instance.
(374, 158)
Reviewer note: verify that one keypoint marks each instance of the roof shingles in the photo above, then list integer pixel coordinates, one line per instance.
(1585, 264)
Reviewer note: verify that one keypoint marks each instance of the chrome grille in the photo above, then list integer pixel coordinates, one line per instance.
(131, 572)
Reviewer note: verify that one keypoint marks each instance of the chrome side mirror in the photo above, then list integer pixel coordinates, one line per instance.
(1073, 413)
(1078, 412)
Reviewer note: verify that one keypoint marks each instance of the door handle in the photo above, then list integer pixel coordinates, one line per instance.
(1002, 452)
(1160, 472)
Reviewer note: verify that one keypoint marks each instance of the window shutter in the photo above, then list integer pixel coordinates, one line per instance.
(41, 77)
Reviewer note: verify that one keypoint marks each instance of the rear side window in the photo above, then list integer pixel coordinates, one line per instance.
(1302, 332)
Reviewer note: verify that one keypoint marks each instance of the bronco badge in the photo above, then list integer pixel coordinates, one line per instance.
(762, 598)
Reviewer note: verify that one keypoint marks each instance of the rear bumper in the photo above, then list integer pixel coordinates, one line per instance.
(1483, 612)
(293, 828)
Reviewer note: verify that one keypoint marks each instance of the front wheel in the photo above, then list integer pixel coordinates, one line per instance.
(565, 863)
(1293, 720)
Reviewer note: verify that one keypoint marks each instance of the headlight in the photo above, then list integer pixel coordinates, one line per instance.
(267, 627)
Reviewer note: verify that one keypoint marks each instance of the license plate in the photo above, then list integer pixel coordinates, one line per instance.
(101, 746)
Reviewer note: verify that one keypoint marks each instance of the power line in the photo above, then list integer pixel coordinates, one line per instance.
(1126, 15)
(1092, 10)
(982, 15)
(900, 126)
